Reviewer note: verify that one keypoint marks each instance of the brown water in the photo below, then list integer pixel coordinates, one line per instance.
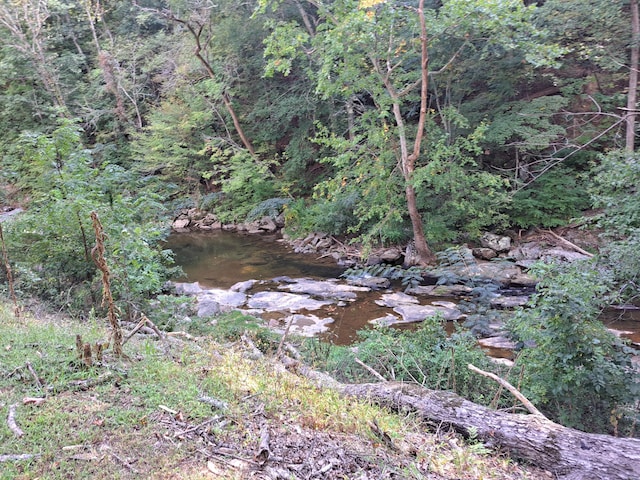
(220, 259)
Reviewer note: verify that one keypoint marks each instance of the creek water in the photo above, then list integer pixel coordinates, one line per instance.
(220, 259)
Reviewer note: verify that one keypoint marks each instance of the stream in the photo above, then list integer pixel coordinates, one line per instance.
(221, 259)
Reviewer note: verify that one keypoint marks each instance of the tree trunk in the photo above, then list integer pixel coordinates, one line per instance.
(633, 77)
(568, 453)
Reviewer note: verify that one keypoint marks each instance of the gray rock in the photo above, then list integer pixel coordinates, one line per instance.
(227, 299)
(495, 242)
(373, 283)
(324, 289)
(509, 301)
(243, 287)
(440, 290)
(418, 313)
(308, 325)
(285, 302)
(395, 299)
(187, 288)
(208, 307)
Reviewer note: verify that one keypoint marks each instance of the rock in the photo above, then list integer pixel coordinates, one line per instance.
(386, 321)
(373, 283)
(495, 242)
(526, 251)
(441, 290)
(307, 325)
(563, 255)
(497, 342)
(285, 302)
(226, 299)
(187, 288)
(419, 313)
(208, 307)
(324, 289)
(501, 272)
(267, 224)
(180, 224)
(395, 299)
(243, 287)
(509, 301)
(484, 253)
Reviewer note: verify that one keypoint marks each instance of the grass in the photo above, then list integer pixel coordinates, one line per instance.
(142, 417)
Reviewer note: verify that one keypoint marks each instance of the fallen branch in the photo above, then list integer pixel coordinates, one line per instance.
(566, 452)
(18, 457)
(264, 452)
(370, 370)
(34, 375)
(513, 390)
(11, 421)
(569, 244)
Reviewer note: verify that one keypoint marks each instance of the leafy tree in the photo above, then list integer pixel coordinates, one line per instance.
(376, 59)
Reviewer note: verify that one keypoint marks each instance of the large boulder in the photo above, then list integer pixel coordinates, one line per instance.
(285, 302)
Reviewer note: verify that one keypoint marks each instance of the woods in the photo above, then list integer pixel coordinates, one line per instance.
(416, 125)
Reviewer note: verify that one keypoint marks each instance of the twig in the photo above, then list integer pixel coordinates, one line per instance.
(370, 370)
(11, 421)
(284, 336)
(514, 391)
(34, 375)
(18, 457)
(263, 449)
(197, 427)
(135, 329)
(569, 244)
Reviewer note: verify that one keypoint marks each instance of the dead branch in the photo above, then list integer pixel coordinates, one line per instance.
(264, 452)
(564, 451)
(97, 253)
(569, 244)
(34, 375)
(513, 390)
(11, 421)
(370, 370)
(18, 457)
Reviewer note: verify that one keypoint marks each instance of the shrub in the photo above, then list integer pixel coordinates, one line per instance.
(576, 371)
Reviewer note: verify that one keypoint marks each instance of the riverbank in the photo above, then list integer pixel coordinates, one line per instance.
(185, 406)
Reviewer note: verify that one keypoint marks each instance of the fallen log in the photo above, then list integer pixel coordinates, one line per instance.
(568, 453)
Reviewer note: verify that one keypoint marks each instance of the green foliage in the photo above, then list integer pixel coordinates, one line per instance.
(271, 207)
(51, 243)
(615, 190)
(550, 201)
(458, 197)
(409, 277)
(574, 369)
(425, 355)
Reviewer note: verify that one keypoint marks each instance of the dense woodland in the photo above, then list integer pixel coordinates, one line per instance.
(381, 122)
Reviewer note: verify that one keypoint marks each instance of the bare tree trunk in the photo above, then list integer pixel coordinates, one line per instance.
(633, 77)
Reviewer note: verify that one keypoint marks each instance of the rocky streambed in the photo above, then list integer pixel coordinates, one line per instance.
(480, 287)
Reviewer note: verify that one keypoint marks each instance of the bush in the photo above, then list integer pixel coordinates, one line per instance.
(576, 371)
(425, 355)
(550, 201)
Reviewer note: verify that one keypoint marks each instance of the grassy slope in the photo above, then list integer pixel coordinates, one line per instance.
(146, 419)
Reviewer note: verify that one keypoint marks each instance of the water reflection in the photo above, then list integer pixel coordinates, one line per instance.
(220, 259)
